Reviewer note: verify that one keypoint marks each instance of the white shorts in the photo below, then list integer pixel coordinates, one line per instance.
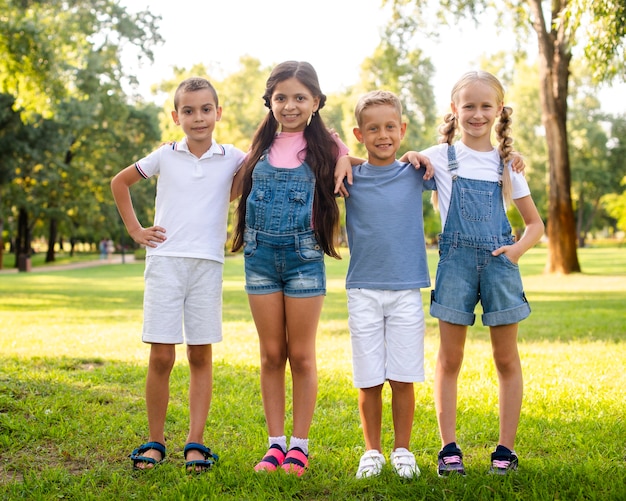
(387, 335)
(182, 290)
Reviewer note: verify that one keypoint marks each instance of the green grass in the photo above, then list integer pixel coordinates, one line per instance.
(72, 375)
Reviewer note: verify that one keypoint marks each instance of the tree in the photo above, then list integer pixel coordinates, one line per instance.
(600, 28)
(61, 61)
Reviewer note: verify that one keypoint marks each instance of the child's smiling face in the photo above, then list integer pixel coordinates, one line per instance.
(292, 104)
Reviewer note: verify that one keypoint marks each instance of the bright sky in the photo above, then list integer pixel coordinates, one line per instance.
(335, 36)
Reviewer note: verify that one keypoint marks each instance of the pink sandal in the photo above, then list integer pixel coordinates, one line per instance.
(296, 461)
(273, 458)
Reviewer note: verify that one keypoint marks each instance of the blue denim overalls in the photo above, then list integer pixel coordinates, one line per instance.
(467, 271)
(281, 251)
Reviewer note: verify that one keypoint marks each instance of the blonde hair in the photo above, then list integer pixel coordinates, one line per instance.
(376, 98)
(448, 129)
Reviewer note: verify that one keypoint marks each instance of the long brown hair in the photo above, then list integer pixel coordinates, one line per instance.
(321, 156)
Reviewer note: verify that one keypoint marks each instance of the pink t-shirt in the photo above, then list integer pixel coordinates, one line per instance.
(288, 150)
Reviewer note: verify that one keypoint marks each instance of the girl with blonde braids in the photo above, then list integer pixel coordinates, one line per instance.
(478, 257)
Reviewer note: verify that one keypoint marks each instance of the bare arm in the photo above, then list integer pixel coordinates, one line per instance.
(532, 233)
(418, 160)
(236, 187)
(120, 187)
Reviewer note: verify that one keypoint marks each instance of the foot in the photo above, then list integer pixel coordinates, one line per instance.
(148, 455)
(273, 458)
(450, 461)
(370, 464)
(503, 461)
(404, 464)
(296, 461)
(198, 458)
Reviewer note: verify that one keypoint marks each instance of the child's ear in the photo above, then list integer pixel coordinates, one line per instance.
(175, 117)
(357, 133)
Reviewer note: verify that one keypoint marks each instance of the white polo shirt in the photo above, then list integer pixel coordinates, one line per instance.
(192, 198)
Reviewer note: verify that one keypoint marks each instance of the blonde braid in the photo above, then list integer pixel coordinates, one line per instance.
(505, 148)
(447, 129)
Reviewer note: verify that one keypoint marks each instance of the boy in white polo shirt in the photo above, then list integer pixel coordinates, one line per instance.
(184, 263)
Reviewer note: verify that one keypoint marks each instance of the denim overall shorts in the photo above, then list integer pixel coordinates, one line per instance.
(280, 249)
(467, 271)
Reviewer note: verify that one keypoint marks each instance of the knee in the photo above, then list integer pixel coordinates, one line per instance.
(200, 356)
(508, 364)
(450, 361)
(274, 360)
(302, 363)
(162, 361)
(399, 387)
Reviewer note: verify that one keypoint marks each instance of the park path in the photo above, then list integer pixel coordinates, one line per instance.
(115, 259)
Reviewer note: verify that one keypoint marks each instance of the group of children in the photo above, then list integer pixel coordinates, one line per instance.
(286, 222)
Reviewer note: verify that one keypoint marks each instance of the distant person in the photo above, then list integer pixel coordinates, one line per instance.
(110, 247)
(286, 221)
(103, 248)
(184, 263)
(388, 266)
(478, 257)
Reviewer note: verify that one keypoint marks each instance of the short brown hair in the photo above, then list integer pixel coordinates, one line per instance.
(191, 85)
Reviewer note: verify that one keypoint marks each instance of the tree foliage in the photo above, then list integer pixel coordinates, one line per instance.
(61, 65)
(598, 29)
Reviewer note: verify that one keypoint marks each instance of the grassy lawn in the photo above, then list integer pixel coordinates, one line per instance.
(72, 375)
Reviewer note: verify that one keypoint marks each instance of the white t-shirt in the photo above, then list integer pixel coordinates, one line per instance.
(482, 165)
(192, 198)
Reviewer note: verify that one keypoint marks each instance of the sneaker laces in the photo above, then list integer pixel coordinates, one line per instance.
(501, 463)
(451, 459)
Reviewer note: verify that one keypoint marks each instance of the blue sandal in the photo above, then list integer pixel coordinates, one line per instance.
(137, 456)
(204, 464)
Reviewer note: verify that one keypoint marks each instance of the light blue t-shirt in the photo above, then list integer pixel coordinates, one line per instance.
(385, 225)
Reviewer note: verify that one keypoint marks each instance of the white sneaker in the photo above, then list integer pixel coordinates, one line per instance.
(403, 462)
(371, 464)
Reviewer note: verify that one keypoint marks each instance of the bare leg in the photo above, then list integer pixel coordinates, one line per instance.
(509, 369)
(449, 360)
(200, 390)
(403, 410)
(371, 410)
(268, 311)
(302, 318)
(162, 357)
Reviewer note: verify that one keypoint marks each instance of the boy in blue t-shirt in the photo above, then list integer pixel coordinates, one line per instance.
(388, 266)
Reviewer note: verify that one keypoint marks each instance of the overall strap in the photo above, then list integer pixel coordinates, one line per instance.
(453, 163)
(500, 171)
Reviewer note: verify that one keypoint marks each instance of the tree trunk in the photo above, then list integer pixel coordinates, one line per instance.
(1, 244)
(554, 59)
(23, 241)
(52, 238)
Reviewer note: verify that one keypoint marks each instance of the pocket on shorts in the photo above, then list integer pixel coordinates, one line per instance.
(446, 250)
(249, 243)
(308, 249)
(507, 261)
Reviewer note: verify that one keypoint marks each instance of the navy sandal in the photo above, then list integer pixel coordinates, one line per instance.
(204, 464)
(137, 456)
